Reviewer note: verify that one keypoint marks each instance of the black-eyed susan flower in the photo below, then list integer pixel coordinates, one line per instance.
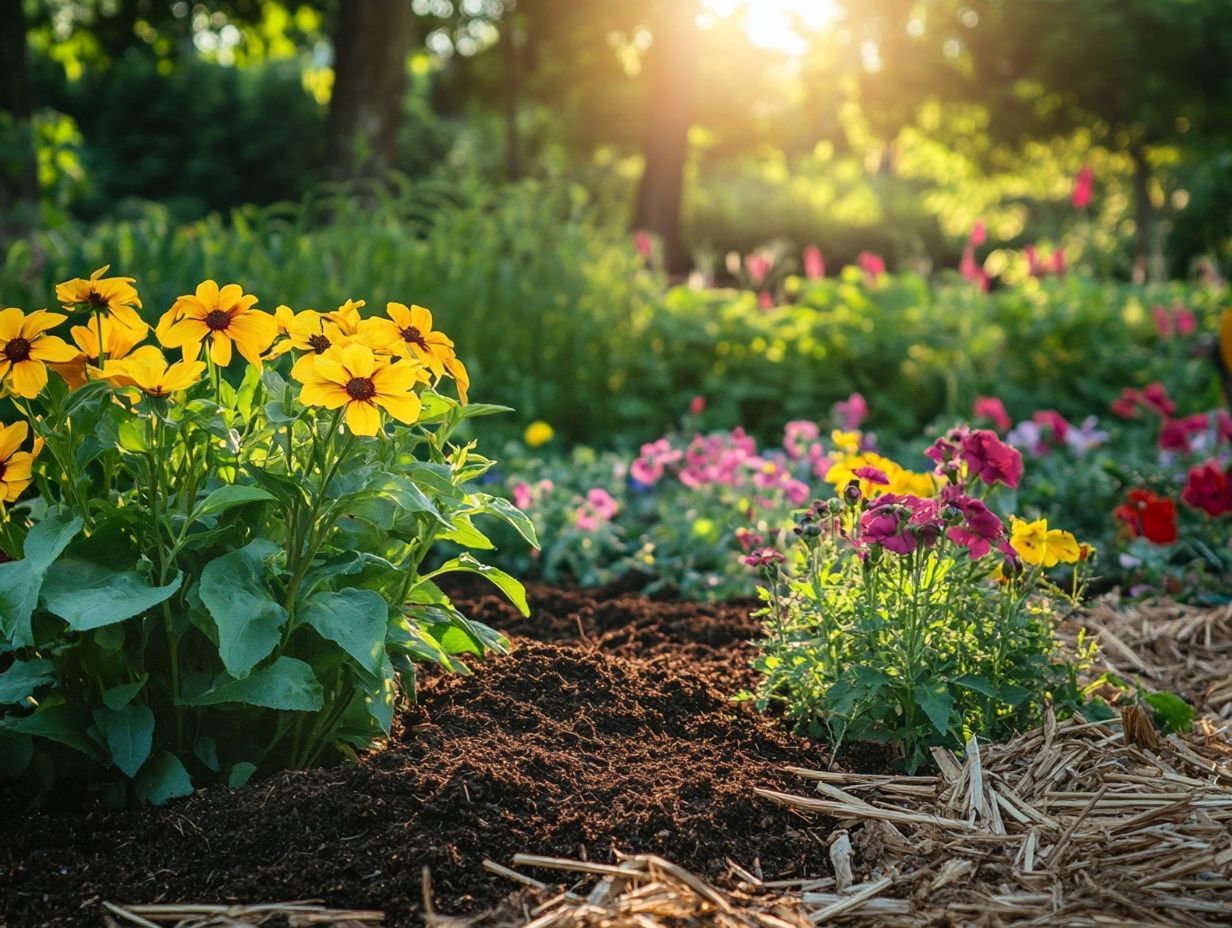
(315, 333)
(110, 296)
(117, 341)
(26, 349)
(221, 316)
(346, 316)
(147, 370)
(408, 332)
(15, 464)
(355, 379)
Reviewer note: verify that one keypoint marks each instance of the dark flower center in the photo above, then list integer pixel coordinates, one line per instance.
(318, 343)
(4, 465)
(96, 300)
(17, 349)
(412, 336)
(217, 320)
(360, 389)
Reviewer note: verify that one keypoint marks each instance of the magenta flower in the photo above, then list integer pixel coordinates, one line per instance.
(758, 266)
(1185, 321)
(991, 459)
(872, 265)
(1163, 321)
(872, 475)
(765, 557)
(992, 409)
(522, 495)
(979, 233)
(646, 471)
(798, 436)
(814, 263)
(602, 503)
(765, 301)
(1058, 263)
(1083, 187)
(851, 412)
(1155, 397)
(697, 405)
(1053, 420)
(900, 524)
(979, 529)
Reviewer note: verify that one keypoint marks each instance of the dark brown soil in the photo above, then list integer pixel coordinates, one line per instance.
(608, 729)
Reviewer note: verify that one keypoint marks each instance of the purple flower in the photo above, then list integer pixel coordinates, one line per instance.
(979, 529)
(991, 459)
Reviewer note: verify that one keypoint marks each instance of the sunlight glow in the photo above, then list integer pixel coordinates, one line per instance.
(780, 25)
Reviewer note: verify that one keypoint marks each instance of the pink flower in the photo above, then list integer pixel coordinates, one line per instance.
(585, 520)
(979, 233)
(901, 523)
(797, 491)
(873, 475)
(765, 301)
(1163, 321)
(644, 244)
(748, 540)
(991, 459)
(972, 270)
(980, 528)
(1082, 187)
(1033, 262)
(851, 412)
(1185, 320)
(1126, 405)
(766, 557)
(1155, 397)
(602, 503)
(1058, 262)
(1053, 420)
(646, 471)
(522, 495)
(798, 436)
(872, 265)
(758, 265)
(697, 405)
(992, 409)
(814, 263)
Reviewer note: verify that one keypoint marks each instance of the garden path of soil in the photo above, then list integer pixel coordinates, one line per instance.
(608, 729)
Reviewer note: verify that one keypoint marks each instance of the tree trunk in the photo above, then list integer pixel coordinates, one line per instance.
(18, 170)
(1143, 212)
(371, 45)
(671, 69)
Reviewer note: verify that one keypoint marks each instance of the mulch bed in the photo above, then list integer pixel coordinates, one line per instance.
(609, 730)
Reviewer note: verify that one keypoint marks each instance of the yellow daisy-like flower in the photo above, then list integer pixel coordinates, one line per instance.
(913, 483)
(408, 332)
(305, 331)
(113, 296)
(847, 442)
(118, 340)
(14, 464)
(147, 370)
(223, 316)
(843, 472)
(352, 378)
(25, 349)
(1038, 545)
(347, 317)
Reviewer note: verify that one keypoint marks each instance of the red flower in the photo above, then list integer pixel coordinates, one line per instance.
(992, 409)
(991, 459)
(1209, 489)
(1156, 397)
(1082, 187)
(1149, 516)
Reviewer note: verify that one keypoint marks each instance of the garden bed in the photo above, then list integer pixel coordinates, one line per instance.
(608, 729)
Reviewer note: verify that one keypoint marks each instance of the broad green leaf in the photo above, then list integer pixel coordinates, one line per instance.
(134, 435)
(465, 563)
(227, 497)
(48, 539)
(509, 513)
(287, 684)
(162, 779)
(89, 596)
(248, 619)
(978, 685)
(1176, 714)
(20, 581)
(120, 696)
(937, 702)
(59, 723)
(355, 620)
(20, 681)
(129, 733)
(240, 774)
(465, 534)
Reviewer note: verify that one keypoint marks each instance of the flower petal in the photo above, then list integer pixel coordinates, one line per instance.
(28, 378)
(363, 418)
(11, 438)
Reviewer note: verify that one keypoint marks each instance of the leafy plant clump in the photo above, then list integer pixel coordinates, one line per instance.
(919, 617)
(211, 578)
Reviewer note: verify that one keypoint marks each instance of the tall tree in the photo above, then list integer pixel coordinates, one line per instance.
(371, 46)
(18, 171)
(671, 70)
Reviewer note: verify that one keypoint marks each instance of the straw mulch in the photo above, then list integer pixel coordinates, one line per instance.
(290, 914)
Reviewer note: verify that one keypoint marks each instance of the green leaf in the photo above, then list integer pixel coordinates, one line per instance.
(287, 684)
(89, 596)
(19, 682)
(355, 620)
(120, 696)
(937, 702)
(20, 581)
(465, 563)
(129, 733)
(978, 685)
(240, 774)
(505, 510)
(248, 619)
(162, 779)
(48, 539)
(134, 435)
(1175, 713)
(227, 497)
(59, 723)
(280, 486)
(465, 534)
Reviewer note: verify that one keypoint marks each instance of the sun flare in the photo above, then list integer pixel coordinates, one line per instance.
(781, 25)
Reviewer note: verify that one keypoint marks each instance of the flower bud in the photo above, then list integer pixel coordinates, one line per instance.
(852, 494)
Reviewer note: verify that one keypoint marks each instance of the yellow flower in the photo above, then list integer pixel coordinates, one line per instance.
(25, 350)
(538, 434)
(408, 332)
(118, 339)
(913, 483)
(224, 316)
(1037, 544)
(113, 296)
(842, 473)
(14, 464)
(353, 378)
(346, 316)
(147, 369)
(847, 442)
